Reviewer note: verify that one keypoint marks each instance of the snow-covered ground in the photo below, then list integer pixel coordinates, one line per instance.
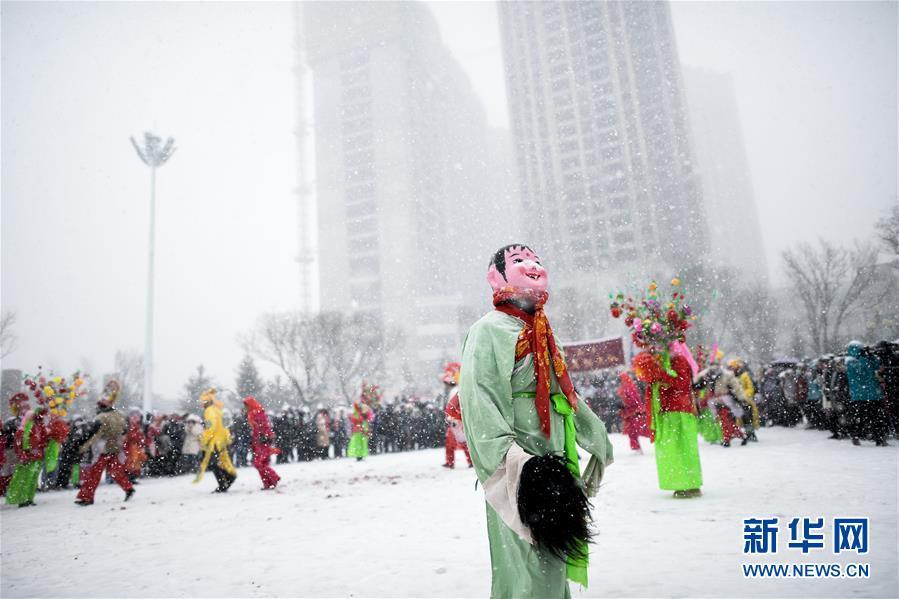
(399, 525)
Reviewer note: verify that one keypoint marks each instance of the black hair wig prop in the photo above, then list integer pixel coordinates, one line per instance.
(554, 506)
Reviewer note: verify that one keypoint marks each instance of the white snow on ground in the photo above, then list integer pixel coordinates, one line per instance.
(399, 525)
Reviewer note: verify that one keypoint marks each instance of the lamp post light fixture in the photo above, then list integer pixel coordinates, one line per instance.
(154, 154)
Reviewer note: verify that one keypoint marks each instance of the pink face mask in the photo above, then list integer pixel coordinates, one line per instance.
(523, 272)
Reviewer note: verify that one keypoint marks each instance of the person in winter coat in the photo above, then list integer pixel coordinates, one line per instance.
(240, 432)
(888, 354)
(838, 391)
(174, 429)
(865, 394)
(284, 435)
(632, 412)
(338, 434)
(135, 446)
(31, 441)
(262, 439)
(215, 442)
(18, 406)
(322, 433)
(106, 436)
(68, 457)
(190, 449)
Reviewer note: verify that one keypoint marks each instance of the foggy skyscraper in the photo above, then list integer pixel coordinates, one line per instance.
(724, 171)
(600, 134)
(401, 164)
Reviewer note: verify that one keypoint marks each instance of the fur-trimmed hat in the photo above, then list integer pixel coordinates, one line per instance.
(110, 393)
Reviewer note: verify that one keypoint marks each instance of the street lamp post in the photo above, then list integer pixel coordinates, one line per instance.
(154, 154)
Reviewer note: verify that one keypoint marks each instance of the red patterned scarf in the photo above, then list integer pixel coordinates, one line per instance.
(537, 338)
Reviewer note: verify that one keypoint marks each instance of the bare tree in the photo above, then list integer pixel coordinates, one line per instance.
(888, 230)
(328, 354)
(129, 369)
(832, 283)
(293, 343)
(198, 382)
(8, 339)
(355, 350)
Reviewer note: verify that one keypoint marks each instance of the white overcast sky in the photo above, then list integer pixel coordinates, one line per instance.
(816, 87)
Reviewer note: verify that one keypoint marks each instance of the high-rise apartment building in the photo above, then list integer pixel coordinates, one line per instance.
(601, 136)
(736, 237)
(402, 173)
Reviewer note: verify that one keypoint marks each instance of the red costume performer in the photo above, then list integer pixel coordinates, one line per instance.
(455, 433)
(106, 436)
(135, 446)
(632, 412)
(262, 437)
(18, 405)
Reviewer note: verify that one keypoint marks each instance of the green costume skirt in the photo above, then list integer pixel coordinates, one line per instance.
(709, 427)
(23, 485)
(521, 569)
(677, 451)
(358, 447)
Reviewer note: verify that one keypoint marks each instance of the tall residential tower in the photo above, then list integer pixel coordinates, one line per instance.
(403, 173)
(601, 136)
(736, 240)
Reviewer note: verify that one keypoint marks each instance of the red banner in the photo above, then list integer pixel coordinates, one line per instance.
(582, 356)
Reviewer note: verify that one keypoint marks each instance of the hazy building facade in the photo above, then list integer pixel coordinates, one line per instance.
(401, 152)
(734, 233)
(601, 136)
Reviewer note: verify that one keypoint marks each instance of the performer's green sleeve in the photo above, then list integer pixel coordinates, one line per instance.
(485, 393)
(592, 434)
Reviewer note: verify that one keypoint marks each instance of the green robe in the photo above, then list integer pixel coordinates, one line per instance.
(23, 485)
(493, 421)
(358, 446)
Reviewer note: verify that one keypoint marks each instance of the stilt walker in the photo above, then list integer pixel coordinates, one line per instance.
(523, 421)
(262, 440)
(105, 441)
(215, 441)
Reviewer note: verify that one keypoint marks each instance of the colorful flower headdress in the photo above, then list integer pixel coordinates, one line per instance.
(371, 394)
(653, 321)
(56, 392)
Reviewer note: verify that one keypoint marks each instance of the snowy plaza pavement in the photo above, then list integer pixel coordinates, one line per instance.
(399, 525)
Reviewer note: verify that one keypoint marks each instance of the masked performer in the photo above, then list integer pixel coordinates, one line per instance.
(215, 441)
(105, 442)
(262, 440)
(30, 444)
(455, 433)
(523, 421)
(672, 417)
(632, 412)
(360, 420)
(18, 405)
